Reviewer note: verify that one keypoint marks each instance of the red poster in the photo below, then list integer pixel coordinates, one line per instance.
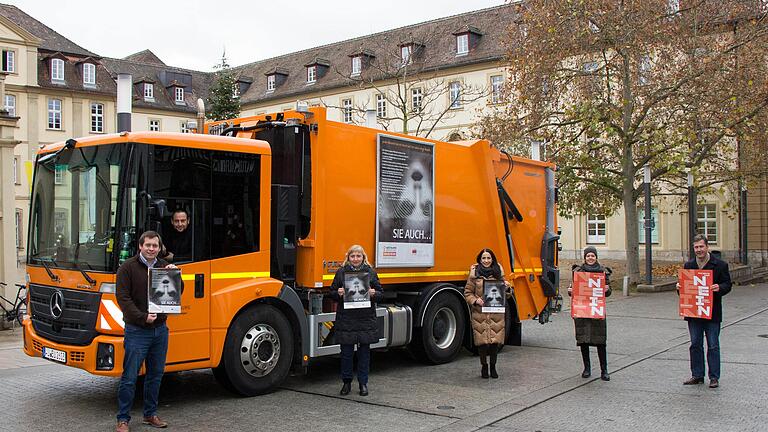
(588, 296)
(696, 293)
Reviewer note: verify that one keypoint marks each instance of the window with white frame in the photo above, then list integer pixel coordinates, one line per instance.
(381, 106)
(270, 83)
(346, 110)
(149, 91)
(311, 74)
(497, 86)
(455, 93)
(641, 225)
(357, 65)
(10, 104)
(405, 54)
(57, 69)
(185, 127)
(462, 44)
(58, 174)
(236, 90)
(179, 93)
(97, 117)
(89, 74)
(706, 221)
(9, 61)
(154, 125)
(19, 219)
(417, 96)
(54, 114)
(16, 164)
(595, 229)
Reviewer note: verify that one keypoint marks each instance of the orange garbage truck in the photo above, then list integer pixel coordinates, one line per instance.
(273, 202)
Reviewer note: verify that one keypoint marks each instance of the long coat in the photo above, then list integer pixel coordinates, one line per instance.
(591, 331)
(720, 276)
(487, 328)
(355, 326)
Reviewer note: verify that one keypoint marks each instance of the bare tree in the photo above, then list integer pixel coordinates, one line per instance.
(611, 86)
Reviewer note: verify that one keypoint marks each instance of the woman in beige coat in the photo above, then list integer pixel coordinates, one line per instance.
(488, 328)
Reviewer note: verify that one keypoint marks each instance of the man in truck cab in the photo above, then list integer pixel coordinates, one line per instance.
(146, 335)
(178, 242)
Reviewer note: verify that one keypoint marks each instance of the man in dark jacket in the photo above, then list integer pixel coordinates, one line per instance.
(146, 335)
(178, 242)
(699, 327)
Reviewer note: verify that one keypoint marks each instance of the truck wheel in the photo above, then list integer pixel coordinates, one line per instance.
(258, 351)
(440, 338)
(514, 329)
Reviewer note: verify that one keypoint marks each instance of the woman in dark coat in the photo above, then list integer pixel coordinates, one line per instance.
(487, 328)
(356, 326)
(592, 331)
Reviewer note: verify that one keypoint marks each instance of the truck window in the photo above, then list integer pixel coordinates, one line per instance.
(235, 201)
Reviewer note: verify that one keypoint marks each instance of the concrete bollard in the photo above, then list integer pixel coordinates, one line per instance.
(626, 286)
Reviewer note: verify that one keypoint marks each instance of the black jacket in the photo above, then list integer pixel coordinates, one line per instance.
(356, 325)
(591, 331)
(132, 287)
(720, 276)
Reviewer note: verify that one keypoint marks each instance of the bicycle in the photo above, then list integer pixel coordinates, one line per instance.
(18, 307)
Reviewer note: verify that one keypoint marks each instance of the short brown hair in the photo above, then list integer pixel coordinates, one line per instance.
(700, 237)
(150, 234)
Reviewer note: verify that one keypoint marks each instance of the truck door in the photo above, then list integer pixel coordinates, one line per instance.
(181, 187)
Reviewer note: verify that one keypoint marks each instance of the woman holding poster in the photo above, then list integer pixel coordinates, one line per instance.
(482, 291)
(356, 289)
(591, 331)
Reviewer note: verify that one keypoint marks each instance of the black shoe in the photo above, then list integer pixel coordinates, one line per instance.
(494, 374)
(694, 380)
(587, 373)
(345, 389)
(484, 371)
(363, 389)
(604, 376)
(714, 383)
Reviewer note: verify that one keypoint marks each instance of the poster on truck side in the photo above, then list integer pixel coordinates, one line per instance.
(356, 286)
(405, 208)
(164, 290)
(588, 295)
(696, 293)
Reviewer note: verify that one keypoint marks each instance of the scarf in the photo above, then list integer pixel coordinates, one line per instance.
(702, 263)
(594, 268)
(492, 272)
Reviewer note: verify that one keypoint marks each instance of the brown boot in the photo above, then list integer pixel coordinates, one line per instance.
(155, 421)
(122, 426)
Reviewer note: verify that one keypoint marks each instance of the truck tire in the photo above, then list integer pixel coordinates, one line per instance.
(257, 353)
(440, 338)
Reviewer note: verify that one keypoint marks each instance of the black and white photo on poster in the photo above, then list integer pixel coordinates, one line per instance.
(494, 297)
(164, 291)
(405, 203)
(356, 286)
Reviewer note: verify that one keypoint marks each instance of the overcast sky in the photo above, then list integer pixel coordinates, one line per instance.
(192, 34)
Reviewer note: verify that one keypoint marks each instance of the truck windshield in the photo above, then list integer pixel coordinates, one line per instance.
(74, 208)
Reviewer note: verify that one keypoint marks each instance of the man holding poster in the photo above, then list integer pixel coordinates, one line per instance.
(699, 327)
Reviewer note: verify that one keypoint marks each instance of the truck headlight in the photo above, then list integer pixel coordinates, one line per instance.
(108, 288)
(105, 357)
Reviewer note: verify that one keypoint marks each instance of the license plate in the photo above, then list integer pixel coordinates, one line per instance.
(55, 355)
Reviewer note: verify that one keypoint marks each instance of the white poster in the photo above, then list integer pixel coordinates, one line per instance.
(405, 203)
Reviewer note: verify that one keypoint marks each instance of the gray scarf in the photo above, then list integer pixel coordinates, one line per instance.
(702, 263)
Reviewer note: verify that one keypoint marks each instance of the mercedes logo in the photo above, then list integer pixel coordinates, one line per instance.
(57, 304)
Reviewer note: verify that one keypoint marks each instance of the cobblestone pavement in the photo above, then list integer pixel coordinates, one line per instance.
(540, 388)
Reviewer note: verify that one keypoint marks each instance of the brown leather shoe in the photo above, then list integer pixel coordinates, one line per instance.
(122, 426)
(714, 383)
(155, 421)
(694, 381)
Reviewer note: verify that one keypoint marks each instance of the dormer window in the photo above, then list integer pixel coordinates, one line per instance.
(149, 91)
(406, 54)
(462, 44)
(89, 74)
(57, 70)
(179, 95)
(311, 74)
(275, 78)
(357, 65)
(271, 83)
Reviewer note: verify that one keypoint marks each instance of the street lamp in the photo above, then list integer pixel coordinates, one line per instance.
(691, 214)
(648, 225)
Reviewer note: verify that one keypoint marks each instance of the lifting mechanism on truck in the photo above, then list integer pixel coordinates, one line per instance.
(274, 202)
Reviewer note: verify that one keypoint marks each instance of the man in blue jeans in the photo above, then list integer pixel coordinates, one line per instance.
(146, 335)
(698, 328)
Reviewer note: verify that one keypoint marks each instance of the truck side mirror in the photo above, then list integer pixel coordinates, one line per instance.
(157, 209)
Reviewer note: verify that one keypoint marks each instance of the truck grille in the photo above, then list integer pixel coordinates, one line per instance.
(77, 323)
